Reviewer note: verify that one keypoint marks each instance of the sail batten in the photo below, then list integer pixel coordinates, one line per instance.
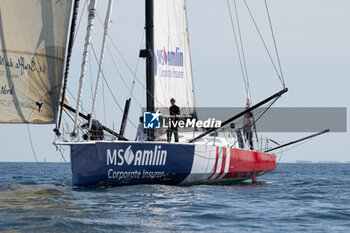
(33, 37)
(173, 71)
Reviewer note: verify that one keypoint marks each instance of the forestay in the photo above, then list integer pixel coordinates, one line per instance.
(173, 71)
(33, 38)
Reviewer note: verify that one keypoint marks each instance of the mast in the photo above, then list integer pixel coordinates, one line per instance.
(69, 54)
(105, 34)
(149, 55)
(90, 25)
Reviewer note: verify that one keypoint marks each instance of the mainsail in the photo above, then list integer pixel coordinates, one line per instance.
(172, 71)
(33, 38)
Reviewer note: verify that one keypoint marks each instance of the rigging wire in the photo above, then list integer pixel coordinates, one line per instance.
(81, 16)
(125, 62)
(130, 69)
(121, 77)
(237, 46)
(275, 44)
(266, 109)
(297, 145)
(242, 49)
(263, 41)
(110, 90)
(70, 93)
(70, 115)
(241, 55)
(137, 65)
(133, 73)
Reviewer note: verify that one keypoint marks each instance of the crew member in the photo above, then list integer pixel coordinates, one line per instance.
(96, 131)
(141, 134)
(174, 111)
(247, 129)
(238, 135)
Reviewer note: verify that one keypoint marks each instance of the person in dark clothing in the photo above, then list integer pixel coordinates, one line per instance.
(238, 135)
(248, 129)
(96, 131)
(174, 111)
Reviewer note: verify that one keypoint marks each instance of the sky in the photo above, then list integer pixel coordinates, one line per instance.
(313, 42)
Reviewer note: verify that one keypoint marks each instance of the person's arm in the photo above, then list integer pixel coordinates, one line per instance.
(84, 126)
(178, 111)
(243, 127)
(138, 133)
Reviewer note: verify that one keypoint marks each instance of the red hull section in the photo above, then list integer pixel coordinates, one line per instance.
(242, 163)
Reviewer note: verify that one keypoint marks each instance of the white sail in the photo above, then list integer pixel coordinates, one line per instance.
(173, 71)
(33, 38)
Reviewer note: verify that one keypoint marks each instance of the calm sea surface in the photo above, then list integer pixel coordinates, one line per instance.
(295, 197)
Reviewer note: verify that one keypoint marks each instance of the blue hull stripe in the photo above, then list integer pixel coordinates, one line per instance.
(123, 163)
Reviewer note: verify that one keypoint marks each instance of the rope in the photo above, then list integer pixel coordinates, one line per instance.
(64, 159)
(278, 163)
(32, 146)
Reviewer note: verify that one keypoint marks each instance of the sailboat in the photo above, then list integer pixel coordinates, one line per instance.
(34, 70)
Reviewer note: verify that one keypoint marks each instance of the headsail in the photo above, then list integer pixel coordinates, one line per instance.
(173, 71)
(33, 38)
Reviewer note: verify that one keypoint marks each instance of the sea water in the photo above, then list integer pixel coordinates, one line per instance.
(295, 197)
